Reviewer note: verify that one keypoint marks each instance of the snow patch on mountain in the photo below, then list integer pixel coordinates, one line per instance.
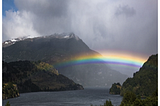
(64, 36)
(14, 40)
(58, 36)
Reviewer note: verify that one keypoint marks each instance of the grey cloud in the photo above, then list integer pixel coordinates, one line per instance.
(95, 22)
(125, 10)
(44, 8)
(99, 23)
(100, 29)
(50, 16)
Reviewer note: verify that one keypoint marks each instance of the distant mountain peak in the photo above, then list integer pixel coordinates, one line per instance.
(72, 35)
(64, 36)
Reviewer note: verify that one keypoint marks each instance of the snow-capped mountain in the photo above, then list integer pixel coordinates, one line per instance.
(14, 40)
(58, 36)
(60, 47)
(64, 36)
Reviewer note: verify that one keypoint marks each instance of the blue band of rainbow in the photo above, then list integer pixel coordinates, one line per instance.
(100, 60)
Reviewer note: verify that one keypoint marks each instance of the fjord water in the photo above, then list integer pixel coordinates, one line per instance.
(86, 97)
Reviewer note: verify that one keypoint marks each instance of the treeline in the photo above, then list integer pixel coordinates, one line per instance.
(45, 66)
(143, 83)
(131, 99)
(107, 103)
(115, 89)
(9, 90)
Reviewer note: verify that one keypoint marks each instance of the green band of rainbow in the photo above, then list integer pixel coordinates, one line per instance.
(100, 60)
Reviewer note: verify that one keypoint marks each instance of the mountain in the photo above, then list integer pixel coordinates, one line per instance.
(36, 76)
(60, 47)
(51, 48)
(93, 75)
(145, 81)
(12, 41)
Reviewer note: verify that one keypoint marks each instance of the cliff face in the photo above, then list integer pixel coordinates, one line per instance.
(145, 81)
(36, 76)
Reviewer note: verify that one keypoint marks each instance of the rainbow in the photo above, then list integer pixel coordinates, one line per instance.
(123, 60)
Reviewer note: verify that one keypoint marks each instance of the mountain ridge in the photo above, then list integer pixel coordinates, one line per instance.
(60, 36)
(51, 49)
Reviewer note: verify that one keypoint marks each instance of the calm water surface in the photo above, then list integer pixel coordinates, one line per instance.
(95, 96)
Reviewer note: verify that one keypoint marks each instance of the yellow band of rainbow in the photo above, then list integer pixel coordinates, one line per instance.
(98, 59)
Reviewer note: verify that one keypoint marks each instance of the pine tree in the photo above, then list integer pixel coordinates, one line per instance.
(7, 104)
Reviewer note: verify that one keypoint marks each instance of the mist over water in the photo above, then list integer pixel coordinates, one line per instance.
(86, 97)
(126, 70)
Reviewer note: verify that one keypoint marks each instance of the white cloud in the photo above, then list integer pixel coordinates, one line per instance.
(17, 24)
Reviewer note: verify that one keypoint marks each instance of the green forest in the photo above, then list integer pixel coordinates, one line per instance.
(30, 76)
(145, 81)
(115, 89)
(144, 84)
(9, 90)
(140, 90)
(130, 99)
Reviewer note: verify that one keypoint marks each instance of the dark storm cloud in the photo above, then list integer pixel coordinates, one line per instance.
(44, 8)
(122, 26)
(119, 25)
(49, 16)
(125, 10)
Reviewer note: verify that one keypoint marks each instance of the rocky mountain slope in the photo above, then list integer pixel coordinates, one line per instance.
(57, 48)
(51, 48)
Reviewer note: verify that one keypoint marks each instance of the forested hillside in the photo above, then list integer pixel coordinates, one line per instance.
(9, 90)
(36, 76)
(145, 81)
(115, 89)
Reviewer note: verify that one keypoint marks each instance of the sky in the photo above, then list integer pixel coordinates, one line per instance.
(112, 26)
